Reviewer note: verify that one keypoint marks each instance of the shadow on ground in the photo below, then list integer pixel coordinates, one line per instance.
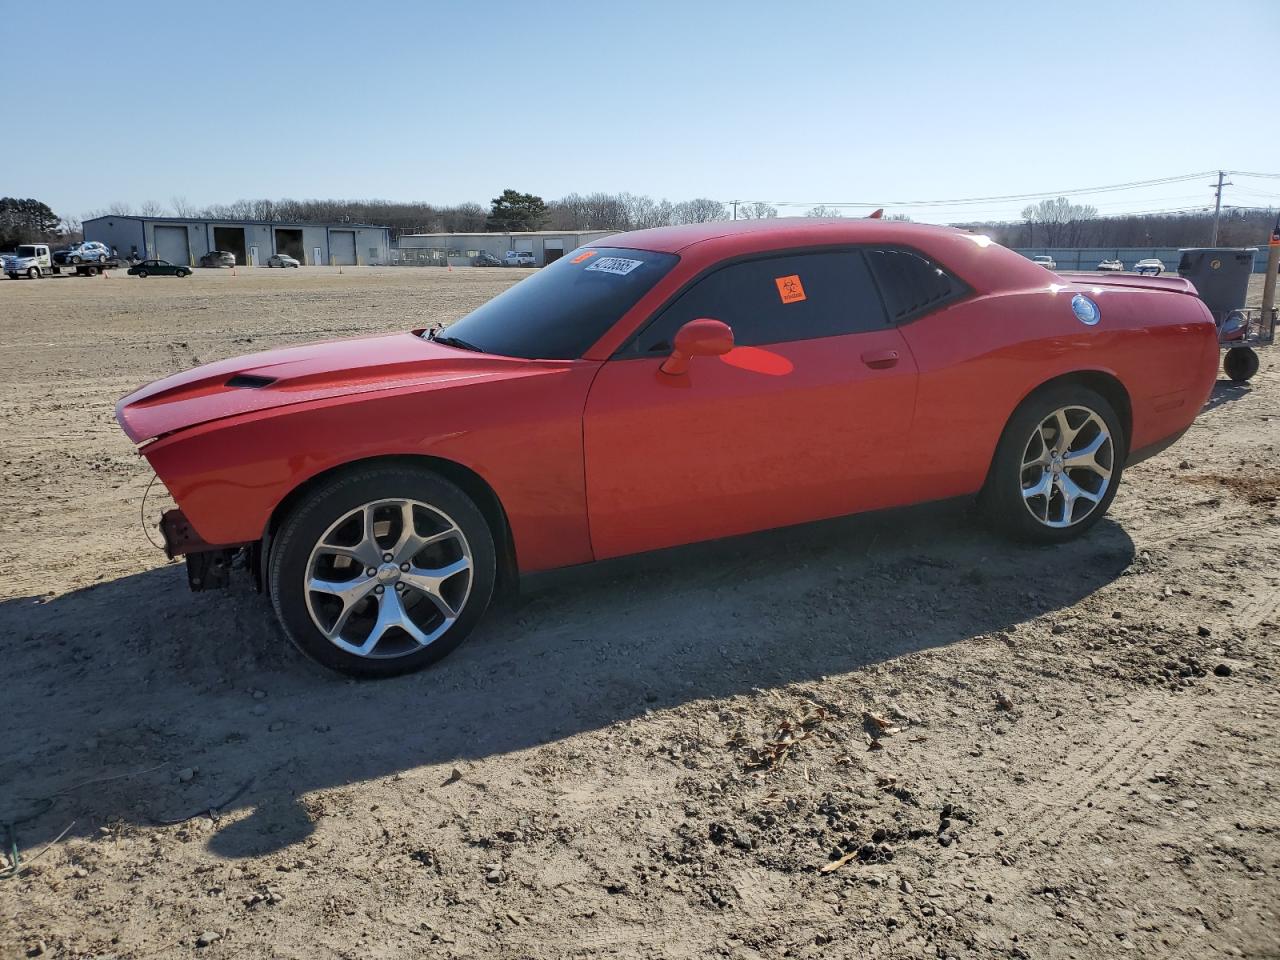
(131, 674)
(1226, 391)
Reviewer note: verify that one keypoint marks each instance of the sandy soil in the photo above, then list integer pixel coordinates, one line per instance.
(890, 736)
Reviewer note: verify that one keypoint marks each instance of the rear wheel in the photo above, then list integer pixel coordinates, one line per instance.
(1057, 466)
(382, 571)
(142, 274)
(1240, 364)
(75, 259)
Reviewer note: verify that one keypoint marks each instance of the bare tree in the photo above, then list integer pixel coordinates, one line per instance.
(72, 228)
(824, 211)
(1058, 221)
(758, 210)
(643, 212)
(119, 209)
(699, 210)
(182, 207)
(150, 208)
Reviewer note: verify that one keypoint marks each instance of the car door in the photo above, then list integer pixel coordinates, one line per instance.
(807, 417)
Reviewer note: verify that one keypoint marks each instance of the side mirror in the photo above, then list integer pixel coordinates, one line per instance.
(697, 338)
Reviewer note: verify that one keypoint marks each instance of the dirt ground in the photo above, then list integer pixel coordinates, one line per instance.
(894, 736)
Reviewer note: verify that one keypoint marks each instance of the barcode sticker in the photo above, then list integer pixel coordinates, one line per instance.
(615, 265)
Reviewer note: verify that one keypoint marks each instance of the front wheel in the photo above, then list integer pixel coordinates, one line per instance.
(183, 273)
(141, 274)
(33, 273)
(1057, 466)
(382, 571)
(75, 259)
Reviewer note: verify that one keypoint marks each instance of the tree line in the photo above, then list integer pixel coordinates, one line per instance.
(1055, 222)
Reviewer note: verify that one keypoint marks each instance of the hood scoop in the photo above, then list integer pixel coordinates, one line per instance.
(250, 381)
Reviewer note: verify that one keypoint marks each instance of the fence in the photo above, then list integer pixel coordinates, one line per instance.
(1088, 258)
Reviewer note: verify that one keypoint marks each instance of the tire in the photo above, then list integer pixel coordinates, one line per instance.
(183, 273)
(75, 259)
(333, 514)
(1049, 517)
(102, 258)
(141, 274)
(1240, 364)
(33, 273)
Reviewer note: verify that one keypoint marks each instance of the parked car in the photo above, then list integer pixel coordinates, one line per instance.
(483, 259)
(90, 251)
(519, 258)
(1151, 267)
(218, 258)
(281, 260)
(664, 387)
(159, 268)
(1045, 261)
(1110, 266)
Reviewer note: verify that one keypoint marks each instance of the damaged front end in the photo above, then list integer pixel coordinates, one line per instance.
(208, 565)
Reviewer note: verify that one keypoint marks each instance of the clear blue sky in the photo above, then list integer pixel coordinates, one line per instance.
(841, 101)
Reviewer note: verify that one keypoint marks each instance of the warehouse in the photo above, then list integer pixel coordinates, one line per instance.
(187, 239)
(462, 249)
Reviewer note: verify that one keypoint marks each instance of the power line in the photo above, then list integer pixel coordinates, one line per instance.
(1109, 188)
(1013, 197)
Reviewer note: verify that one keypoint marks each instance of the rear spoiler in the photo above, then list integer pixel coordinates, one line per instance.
(1084, 278)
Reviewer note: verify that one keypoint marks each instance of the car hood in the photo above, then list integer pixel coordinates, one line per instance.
(293, 375)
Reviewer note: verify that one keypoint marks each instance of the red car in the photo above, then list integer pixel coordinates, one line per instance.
(664, 387)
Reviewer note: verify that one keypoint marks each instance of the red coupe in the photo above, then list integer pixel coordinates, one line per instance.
(663, 387)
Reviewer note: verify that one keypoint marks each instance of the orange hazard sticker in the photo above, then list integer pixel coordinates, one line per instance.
(790, 289)
(585, 255)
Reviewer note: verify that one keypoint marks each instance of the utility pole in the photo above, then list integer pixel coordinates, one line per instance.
(735, 209)
(1217, 206)
(1269, 284)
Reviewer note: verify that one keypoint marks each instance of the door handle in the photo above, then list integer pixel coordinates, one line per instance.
(880, 359)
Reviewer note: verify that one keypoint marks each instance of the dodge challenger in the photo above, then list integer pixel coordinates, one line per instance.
(658, 388)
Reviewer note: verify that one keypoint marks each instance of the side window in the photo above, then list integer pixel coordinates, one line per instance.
(910, 283)
(775, 300)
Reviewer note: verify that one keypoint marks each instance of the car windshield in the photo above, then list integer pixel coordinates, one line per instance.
(563, 309)
(27, 252)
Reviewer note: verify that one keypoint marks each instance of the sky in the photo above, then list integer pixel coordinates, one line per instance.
(806, 102)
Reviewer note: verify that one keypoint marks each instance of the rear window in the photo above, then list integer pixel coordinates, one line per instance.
(911, 284)
(564, 308)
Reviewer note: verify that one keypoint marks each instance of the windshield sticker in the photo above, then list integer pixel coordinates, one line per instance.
(584, 255)
(790, 289)
(615, 265)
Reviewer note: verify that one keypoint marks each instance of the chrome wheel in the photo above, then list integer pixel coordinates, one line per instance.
(1067, 466)
(388, 578)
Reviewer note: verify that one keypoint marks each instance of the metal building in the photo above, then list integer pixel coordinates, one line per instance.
(187, 239)
(462, 249)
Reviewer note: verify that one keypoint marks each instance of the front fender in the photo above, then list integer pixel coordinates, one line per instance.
(523, 437)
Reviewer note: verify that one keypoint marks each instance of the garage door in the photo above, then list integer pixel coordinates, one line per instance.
(342, 247)
(171, 245)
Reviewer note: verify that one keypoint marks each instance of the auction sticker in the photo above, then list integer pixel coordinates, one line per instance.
(584, 255)
(790, 289)
(615, 265)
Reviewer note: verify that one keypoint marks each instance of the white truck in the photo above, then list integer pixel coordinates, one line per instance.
(33, 261)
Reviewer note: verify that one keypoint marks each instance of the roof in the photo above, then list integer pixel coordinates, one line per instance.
(786, 230)
(510, 233)
(341, 225)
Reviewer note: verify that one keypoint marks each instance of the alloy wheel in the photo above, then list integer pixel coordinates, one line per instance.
(388, 578)
(1067, 466)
